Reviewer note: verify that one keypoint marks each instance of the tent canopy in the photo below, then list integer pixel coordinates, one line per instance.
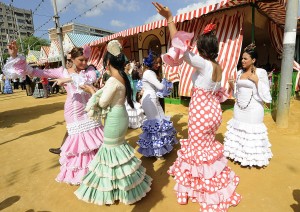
(273, 9)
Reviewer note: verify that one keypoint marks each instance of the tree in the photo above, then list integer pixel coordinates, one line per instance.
(32, 43)
(4, 56)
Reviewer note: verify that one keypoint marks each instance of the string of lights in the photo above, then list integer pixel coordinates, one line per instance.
(50, 19)
(37, 7)
(65, 7)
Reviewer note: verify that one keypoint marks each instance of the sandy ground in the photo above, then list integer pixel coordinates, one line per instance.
(29, 127)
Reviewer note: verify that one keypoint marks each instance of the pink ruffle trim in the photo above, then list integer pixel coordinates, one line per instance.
(198, 154)
(180, 44)
(206, 171)
(77, 153)
(83, 142)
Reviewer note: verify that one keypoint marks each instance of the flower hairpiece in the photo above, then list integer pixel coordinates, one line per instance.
(208, 28)
(250, 47)
(114, 47)
(87, 51)
(148, 61)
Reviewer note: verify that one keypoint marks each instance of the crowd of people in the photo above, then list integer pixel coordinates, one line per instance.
(101, 161)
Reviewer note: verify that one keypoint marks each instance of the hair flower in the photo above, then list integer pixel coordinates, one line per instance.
(87, 51)
(208, 28)
(148, 61)
(114, 47)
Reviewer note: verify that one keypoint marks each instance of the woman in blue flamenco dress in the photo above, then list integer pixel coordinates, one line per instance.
(7, 89)
(115, 174)
(158, 137)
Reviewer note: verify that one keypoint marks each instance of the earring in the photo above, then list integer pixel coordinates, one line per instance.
(252, 68)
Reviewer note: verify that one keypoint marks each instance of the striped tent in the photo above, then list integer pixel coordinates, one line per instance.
(32, 56)
(44, 52)
(229, 32)
(79, 40)
(54, 52)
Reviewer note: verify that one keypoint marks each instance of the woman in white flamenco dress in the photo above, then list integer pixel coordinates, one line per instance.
(246, 140)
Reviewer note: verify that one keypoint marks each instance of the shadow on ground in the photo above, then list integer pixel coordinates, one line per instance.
(9, 118)
(9, 202)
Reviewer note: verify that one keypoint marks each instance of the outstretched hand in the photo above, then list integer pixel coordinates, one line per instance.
(88, 88)
(59, 82)
(12, 49)
(163, 11)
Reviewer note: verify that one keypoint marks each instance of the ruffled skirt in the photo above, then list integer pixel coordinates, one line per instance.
(115, 174)
(158, 138)
(76, 154)
(200, 171)
(7, 89)
(38, 91)
(136, 115)
(247, 143)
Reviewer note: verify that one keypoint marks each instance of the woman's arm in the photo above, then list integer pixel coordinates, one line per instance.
(151, 77)
(263, 87)
(166, 12)
(60, 81)
(108, 93)
(191, 58)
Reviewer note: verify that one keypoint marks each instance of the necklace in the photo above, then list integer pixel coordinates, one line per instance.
(237, 99)
(241, 107)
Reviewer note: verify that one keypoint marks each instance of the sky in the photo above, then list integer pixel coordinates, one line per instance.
(113, 15)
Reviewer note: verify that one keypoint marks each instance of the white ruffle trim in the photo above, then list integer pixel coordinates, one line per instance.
(17, 68)
(247, 143)
(136, 115)
(82, 126)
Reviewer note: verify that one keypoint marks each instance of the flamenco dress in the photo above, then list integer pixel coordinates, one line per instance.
(85, 136)
(246, 139)
(200, 170)
(7, 88)
(114, 173)
(158, 137)
(136, 115)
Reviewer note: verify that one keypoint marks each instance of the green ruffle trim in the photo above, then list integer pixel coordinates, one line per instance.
(113, 156)
(117, 172)
(106, 184)
(96, 196)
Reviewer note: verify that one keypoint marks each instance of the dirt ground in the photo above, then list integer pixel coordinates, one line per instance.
(29, 127)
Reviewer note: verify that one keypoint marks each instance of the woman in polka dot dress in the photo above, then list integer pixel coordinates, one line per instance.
(201, 170)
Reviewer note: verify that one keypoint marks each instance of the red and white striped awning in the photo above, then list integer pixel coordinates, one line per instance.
(275, 10)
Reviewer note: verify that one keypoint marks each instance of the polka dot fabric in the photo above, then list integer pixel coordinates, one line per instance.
(200, 171)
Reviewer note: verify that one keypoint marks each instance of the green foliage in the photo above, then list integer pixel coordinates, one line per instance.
(4, 56)
(34, 43)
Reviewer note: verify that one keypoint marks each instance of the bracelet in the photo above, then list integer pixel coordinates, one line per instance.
(170, 22)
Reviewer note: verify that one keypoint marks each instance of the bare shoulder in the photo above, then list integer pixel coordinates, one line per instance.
(217, 72)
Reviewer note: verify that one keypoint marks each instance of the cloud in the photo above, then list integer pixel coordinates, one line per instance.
(81, 6)
(153, 18)
(128, 5)
(117, 23)
(194, 6)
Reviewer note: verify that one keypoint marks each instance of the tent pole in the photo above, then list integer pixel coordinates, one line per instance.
(289, 42)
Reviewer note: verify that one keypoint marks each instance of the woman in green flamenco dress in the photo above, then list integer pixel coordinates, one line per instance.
(115, 174)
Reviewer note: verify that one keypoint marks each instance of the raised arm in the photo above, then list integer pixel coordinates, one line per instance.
(166, 12)
(16, 66)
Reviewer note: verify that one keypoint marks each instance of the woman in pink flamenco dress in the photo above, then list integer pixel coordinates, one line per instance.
(200, 171)
(85, 136)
